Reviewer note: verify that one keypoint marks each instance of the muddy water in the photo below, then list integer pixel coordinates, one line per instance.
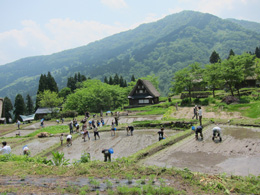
(22, 133)
(238, 153)
(122, 145)
(37, 145)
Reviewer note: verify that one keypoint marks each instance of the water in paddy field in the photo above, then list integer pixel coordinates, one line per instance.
(238, 153)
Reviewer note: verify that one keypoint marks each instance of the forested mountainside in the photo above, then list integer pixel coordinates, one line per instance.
(159, 48)
(254, 26)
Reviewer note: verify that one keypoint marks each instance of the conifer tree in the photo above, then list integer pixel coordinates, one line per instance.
(116, 80)
(19, 106)
(257, 52)
(121, 81)
(105, 80)
(111, 82)
(231, 53)
(7, 108)
(133, 78)
(29, 105)
(214, 58)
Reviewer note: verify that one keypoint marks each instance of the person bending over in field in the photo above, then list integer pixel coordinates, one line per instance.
(216, 133)
(198, 131)
(107, 155)
(130, 129)
(161, 134)
(69, 140)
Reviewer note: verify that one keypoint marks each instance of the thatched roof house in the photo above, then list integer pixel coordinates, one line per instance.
(143, 93)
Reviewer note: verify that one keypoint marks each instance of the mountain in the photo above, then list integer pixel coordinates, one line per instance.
(159, 48)
(254, 26)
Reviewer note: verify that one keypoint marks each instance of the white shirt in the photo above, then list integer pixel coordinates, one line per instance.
(69, 137)
(217, 128)
(200, 112)
(6, 150)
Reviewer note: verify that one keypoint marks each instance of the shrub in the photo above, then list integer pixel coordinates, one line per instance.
(197, 101)
(244, 100)
(205, 102)
(69, 113)
(185, 101)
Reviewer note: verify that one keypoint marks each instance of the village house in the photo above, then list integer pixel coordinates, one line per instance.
(143, 93)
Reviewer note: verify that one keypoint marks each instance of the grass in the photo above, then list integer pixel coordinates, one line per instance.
(251, 110)
(57, 129)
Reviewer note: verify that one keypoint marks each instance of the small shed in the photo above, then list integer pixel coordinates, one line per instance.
(42, 112)
(143, 93)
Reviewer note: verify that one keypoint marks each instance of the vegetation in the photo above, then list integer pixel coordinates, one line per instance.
(162, 48)
(95, 96)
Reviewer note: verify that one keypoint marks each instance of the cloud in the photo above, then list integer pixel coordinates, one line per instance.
(56, 35)
(115, 4)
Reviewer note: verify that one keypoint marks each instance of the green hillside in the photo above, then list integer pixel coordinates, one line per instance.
(161, 47)
(254, 26)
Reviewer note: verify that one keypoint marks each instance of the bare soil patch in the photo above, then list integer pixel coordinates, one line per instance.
(187, 112)
(238, 153)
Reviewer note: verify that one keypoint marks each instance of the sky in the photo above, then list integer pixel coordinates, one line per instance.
(42, 27)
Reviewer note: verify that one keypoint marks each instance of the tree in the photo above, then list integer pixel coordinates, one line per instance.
(52, 85)
(71, 83)
(96, 96)
(232, 72)
(214, 58)
(133, 78)
(212, 76)
(19, 106)
(46, 83)
(7, 108)
(231, 53)
(105, 80)
(50, 99)
(116, 80)
(121, 81)
(186, 78)
(111, 82)
(64, 92)
(257, 52)
(29, 105)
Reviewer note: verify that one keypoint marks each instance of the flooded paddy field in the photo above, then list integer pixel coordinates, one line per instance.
(237, 154)
(122, 144)
(36, 145)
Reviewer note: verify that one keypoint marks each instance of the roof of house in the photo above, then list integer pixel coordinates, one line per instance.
(44, 111)
(148, 86)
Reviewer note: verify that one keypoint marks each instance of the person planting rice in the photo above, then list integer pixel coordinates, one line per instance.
(198, 131)
(113, 129)
(69, 140)
(85, 134)
(5, 149)
(161, 134)
(96, 133)
(26, 151)
(61, 139)
(131, 129)
(107, 154)
(216, 133)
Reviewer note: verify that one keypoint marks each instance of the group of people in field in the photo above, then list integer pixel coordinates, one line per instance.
(93, 125)
(197, 111)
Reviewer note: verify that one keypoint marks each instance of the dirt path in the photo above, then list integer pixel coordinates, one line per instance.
(187, 112)
(122, 145)
(238, 153)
